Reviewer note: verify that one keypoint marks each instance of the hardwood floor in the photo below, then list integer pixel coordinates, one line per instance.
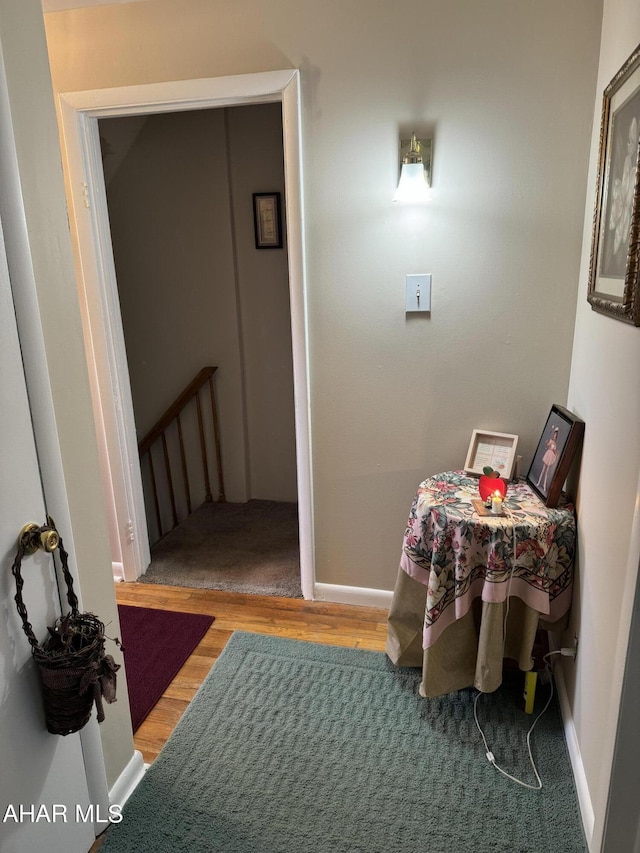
(315, 621)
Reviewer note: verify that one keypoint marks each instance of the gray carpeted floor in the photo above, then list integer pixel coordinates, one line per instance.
(250, 547)
(295, 747)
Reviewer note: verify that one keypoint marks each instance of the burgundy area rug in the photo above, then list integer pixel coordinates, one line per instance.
(156, 644)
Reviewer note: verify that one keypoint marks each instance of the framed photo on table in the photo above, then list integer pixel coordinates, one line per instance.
(614, 282)
(267, 220)
(494, 449)
(561, 437)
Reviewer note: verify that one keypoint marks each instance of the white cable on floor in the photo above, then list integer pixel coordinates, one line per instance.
(491, 757)
(489, 753)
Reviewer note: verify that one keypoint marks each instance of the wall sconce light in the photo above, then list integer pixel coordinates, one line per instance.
(415, 174)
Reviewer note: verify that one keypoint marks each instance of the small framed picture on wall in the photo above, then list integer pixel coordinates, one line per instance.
(267, 220)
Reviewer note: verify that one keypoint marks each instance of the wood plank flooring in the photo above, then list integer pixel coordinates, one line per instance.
(315, 621)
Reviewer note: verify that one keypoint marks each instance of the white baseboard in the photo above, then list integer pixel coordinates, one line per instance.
(353, 595)
(584, 798)
(128, 780)
(118, 572)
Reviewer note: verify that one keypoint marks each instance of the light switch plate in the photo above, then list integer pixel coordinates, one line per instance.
(418, 292)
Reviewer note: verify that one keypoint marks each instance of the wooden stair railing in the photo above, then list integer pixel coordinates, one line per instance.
(158, 433)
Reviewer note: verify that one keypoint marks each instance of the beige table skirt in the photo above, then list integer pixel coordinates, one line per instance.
(470, 651)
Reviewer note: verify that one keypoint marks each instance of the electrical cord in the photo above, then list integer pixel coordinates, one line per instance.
(491, 757)
(513, 567)
(489, 754)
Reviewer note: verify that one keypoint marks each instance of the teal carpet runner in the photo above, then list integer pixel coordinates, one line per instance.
(293, 747)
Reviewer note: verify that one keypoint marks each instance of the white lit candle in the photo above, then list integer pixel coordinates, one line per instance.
(496, 503)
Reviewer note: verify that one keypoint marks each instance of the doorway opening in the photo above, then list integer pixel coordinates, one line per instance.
(196, 290)
(80, 115)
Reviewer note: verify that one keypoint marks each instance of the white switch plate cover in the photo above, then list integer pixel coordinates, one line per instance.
(418, 284)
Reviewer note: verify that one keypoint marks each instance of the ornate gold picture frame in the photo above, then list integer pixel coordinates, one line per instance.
(614, 281)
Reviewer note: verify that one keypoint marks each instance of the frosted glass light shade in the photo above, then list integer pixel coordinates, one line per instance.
(412, 186)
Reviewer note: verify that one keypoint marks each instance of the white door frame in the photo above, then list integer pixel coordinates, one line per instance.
(104, 337)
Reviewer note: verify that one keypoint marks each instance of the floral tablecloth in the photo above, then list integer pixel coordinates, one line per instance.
(460, 555)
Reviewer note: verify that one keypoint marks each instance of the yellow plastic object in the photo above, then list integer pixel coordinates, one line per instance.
(530, 681)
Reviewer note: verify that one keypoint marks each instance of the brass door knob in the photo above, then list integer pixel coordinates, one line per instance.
(49, 540)
(34, 537)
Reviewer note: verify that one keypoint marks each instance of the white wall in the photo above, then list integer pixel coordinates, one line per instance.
(605, 391)
(193, 288)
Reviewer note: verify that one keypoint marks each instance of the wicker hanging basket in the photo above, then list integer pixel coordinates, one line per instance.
(74, 670)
